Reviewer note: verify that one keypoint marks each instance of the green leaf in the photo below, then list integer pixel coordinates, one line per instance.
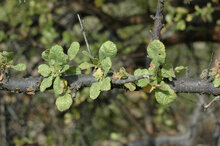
(106, 64)
(123, 73)
(218, 22)
(108, 49)
(73, 71)
(141, 82)
(56, 55)
(95, 90)
(45, 54)
(19, 67)
(95, 61)
(44, 70)
(216, 82)
(130, 86)
(65, 68)
(64, 102)
(168, 72)
(156, 51)
(181, 25)
(85, 65)
(57, 87)
(179, 68)
(73, 50)
(105, 84)
(46, 83)
(98, 74)
(164, 94)
(8, 55)
(87, 54)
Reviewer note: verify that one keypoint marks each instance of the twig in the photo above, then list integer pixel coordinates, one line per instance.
(217, 98)
(130, 79)
(130, 116)
(84, 35)
(158, 20)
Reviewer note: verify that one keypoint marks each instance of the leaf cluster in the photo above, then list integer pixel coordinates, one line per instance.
(58, 63)
(6, 61)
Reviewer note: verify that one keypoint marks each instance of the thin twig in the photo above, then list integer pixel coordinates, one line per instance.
(217, 98)
(84, 35)
(130, 116)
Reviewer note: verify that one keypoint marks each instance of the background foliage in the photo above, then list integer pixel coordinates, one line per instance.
(191, 34)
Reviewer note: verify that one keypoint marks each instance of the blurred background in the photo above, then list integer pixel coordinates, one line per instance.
(191, 34)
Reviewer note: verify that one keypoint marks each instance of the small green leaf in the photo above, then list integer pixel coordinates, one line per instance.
(216, 82)
(164, 94)
(65, 68)
(130, 86)
(141, 82)
(73, 71)
(57, 87)
(95, 61)
(46, 83)
(98, 74)
(85, 65)
(105, 84)
(106, 64)
(108, 49)
(95, 90)
(179, 68)
(156, 51)
(64, 102)
(8, 55)
(19, 67)
(218, 22)
(168, 72)
(73, 50)
(124, 73)
(45, 54)
(87, 54)
(181, 25)
(44, 70)
(57, 56)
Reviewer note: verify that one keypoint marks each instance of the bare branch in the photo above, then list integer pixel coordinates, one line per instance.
(180, 85)
(216, 99)
(84, 35)
(158, 20)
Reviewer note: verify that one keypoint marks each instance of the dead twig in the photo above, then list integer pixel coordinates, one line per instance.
(84, 35)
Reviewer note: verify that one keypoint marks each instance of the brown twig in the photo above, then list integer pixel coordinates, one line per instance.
(130, 116)
(158, 25)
